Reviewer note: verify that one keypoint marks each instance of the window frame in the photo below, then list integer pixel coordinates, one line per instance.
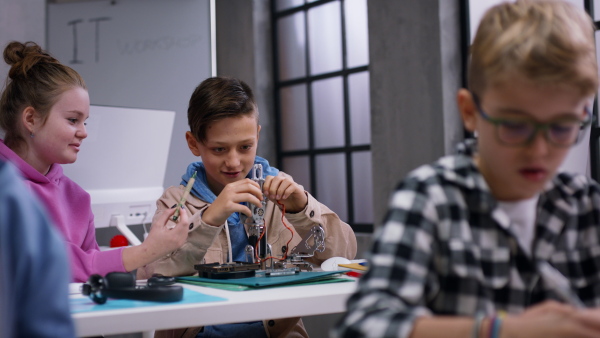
(312, 152)
(594, 128)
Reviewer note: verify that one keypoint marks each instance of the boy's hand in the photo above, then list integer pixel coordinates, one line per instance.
(229, 201)
(285, 190)
(553, 319)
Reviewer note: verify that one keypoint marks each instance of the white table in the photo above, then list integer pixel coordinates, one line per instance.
(241, 306)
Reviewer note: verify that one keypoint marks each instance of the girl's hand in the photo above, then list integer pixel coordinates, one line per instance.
(229, 201)
(284, 190)
(161, 240)
(164, 238)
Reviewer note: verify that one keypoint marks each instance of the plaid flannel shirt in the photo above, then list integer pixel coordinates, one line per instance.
(446, 248)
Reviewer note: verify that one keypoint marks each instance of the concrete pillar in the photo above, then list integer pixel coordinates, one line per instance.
(244, 51)
(415, 67)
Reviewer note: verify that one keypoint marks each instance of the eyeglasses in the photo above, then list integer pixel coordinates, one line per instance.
(563, 132)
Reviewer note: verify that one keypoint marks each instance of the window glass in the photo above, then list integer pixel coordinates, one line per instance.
(331, 183)
(362, 183)
(578, 3)
(325, 38)
(292, 46)
(478, 7)
(476, 10)
(298, 167)
(328, 112)
(360, 108)
(294, 118)
(281, 5)
(357, 38)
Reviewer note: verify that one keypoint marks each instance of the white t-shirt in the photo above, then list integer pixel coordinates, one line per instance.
(522, 216)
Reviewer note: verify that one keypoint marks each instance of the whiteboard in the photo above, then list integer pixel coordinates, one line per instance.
(147, 54)
(104, 165)
(111, 149)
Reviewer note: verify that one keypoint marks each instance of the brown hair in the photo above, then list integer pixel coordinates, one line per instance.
(35, 79)
(217, 98)
(548, 42)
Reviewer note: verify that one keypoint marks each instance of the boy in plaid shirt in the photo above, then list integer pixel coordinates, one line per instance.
(496, 229)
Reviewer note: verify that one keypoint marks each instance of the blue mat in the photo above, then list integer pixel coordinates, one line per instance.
(304, 277)
(86, 304)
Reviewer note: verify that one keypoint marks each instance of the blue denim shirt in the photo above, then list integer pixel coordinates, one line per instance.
(34, 274)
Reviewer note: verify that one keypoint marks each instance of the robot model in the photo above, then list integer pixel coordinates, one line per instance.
(259, 251)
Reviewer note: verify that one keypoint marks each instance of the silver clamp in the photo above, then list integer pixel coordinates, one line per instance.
(305, 248)
(256, 225)
(313, 241)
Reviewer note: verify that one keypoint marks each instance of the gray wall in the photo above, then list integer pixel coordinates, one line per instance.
(244, 51)
(21, 20)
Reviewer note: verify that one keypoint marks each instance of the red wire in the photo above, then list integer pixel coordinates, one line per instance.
(287, 245)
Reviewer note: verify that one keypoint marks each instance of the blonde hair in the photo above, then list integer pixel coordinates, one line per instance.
(35, 79)
(548, 42)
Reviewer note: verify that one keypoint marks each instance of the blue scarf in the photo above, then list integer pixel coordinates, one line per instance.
(237, 233)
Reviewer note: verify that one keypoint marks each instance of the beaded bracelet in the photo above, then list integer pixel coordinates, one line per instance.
(477, 325)
(491, 328)
(495, 327)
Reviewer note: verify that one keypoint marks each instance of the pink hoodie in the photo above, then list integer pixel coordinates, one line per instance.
(70, 209)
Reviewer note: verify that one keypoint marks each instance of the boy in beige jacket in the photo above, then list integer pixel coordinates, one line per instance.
(224, 132)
